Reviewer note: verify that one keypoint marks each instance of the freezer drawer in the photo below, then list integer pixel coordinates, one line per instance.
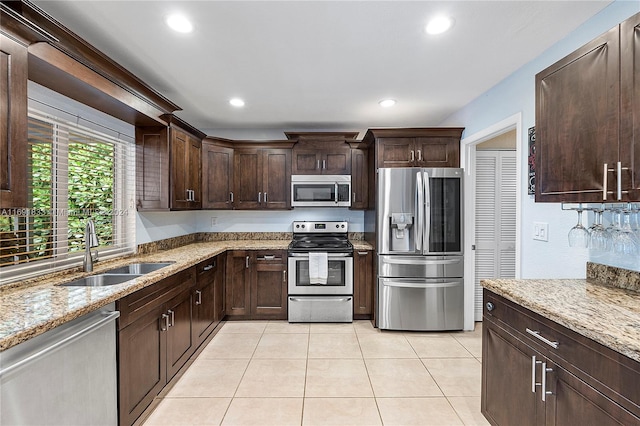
(320, 308)
(421, 266)
(420, 305)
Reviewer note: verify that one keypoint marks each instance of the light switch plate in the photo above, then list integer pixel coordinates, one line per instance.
(541, 231)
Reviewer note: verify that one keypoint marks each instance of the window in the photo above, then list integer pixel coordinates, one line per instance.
(75, 174)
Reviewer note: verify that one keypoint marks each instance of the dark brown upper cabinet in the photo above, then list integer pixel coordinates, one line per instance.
(587, 110)
(246, 175)
(168, 164)
(217, 176)
(324, 153)
(415, 147)
(13, 126)
(359, 177)
(262, 178)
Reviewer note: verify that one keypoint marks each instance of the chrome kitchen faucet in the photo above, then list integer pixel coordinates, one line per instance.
(90, 240)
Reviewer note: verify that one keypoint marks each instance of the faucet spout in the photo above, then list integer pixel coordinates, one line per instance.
(90, 240)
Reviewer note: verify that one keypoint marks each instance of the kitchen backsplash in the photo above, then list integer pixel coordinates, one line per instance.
(614, 276)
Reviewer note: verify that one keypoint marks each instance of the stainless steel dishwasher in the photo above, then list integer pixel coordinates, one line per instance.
(66, 376)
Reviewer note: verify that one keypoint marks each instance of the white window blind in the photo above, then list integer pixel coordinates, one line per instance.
(75, 174)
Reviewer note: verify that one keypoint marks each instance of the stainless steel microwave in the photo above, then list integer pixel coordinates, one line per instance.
(321, 190)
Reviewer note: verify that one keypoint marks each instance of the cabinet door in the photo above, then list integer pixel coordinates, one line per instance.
(217, 177)
(337, 162)
(13, 126)
(219, 283)
(359, 179)
(247, 178)
(276, 178)
(396, 152)
(204, 294)
(507, 397)
(574, 402)
(152, 168)
(194, 175)
(363, 283)
(269, 285)
(437, 152)
(630, 100)
(577, 118)
(180, 343)
(306, 162)
(237, 293)
(141, 364)
(179, 169)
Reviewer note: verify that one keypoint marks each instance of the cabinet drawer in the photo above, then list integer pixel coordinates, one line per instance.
(271, 256)
(137, 304)
(614, 374)
(206, 271)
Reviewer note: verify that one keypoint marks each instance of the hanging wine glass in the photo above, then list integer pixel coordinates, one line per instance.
(598, 236)
(625, 242)
(578, 235)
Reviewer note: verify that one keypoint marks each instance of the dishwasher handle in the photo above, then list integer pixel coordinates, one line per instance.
(107, 318)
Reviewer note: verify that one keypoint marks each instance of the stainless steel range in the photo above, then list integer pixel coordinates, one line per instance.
(320, 261)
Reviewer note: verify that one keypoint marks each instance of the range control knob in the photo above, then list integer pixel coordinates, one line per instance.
(490, 306)
(303, 225)
(337, 226)
(343, 225)
(297, 226)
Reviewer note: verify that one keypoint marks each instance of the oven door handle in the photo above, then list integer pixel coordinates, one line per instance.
(320, 299)
(329, 255)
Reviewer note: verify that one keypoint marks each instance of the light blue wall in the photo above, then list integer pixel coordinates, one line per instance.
(553, 259)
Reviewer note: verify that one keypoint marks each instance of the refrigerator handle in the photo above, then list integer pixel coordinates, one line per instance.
(417, 229)
(427, 212)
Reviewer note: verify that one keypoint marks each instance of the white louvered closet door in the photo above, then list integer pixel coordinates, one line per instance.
(495, 219)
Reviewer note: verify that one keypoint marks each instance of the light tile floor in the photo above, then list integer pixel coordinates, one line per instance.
(276, 373)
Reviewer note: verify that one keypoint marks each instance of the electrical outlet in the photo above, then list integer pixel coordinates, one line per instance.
(541, 231)
(214, 221)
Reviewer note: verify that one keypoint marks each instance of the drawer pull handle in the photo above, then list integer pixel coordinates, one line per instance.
(363, 253)
(207, 268)
(537, 335)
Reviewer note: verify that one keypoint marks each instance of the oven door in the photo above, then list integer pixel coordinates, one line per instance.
(339, 279)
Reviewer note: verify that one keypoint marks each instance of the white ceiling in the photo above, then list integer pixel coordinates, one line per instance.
(307, 65)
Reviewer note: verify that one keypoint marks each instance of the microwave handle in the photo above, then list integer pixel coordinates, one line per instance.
(336, 193)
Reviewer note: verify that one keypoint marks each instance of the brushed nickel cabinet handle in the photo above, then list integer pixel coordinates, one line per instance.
(265, 198)
(198, 297)
(419, 155)
(246, 262)
(413, 156)
(545, 392)
(533, 373)
(604, 182)
(324, 164)
(318, 164)
(537, 335)
(259, 197)
(173, 318)
(165, 318)
(284, 276)
(231, 196)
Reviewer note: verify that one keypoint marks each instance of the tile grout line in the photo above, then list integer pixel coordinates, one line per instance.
(366, 368)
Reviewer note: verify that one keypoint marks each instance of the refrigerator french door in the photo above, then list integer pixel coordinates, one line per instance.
(420, 249)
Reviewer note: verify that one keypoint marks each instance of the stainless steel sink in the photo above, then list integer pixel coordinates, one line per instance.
(138, 268)
(101, 280)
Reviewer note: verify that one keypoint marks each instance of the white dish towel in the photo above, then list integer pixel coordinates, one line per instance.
(318, 268)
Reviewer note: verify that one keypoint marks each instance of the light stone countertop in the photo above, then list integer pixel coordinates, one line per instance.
(605, 314)
(29, 310)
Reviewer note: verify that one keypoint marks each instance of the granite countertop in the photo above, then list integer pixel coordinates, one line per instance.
(606, 314)
(33, 308)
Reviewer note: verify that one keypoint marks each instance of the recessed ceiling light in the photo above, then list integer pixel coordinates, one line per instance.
(236, 102)
(387, 103)
(438, 25)
(179, 23)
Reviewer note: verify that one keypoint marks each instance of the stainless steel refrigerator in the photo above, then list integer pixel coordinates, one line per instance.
(419, 244)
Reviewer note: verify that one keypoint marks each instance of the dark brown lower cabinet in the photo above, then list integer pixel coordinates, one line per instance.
(363, 282)
(256, 284)
(154, 341)
(208, 297)
(567, 380)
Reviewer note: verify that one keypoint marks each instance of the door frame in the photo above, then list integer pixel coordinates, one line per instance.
(468, 162)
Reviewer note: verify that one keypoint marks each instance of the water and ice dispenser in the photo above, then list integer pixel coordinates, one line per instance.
(401, 236)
